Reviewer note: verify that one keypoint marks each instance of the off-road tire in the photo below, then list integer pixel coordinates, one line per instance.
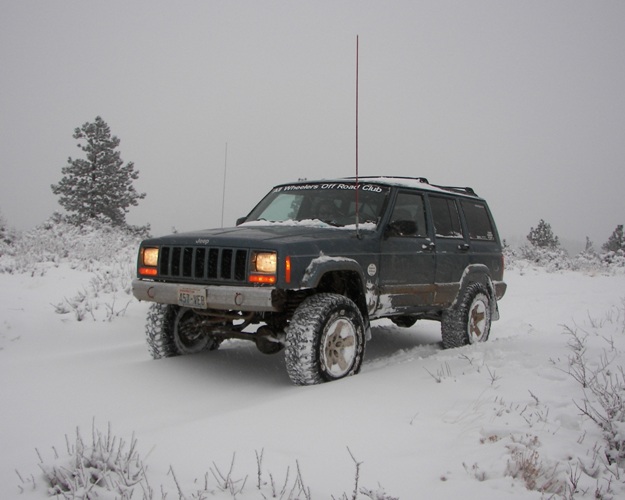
(470, 320)
(159, 331)
(169, 332)
(325, 340)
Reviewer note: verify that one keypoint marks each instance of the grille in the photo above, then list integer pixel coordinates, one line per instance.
(203, 263)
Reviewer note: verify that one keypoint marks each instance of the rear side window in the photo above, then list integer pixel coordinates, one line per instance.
(478, 221)
(446, 217)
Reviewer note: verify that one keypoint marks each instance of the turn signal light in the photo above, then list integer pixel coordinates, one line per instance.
(263, 278)
(287, 269)
(148, 271)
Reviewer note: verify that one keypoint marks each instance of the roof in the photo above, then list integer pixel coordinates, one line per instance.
(398, 181)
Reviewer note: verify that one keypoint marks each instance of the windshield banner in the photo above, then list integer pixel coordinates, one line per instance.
(331, 186)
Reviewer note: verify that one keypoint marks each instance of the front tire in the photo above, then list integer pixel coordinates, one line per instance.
(325, 340)
(172, 331)
(470, 322)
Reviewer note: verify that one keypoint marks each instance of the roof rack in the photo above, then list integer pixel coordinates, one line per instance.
(420, 179)
(458, 189)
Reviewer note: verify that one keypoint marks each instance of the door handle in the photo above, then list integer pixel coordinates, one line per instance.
(463, 247)
(428, 246)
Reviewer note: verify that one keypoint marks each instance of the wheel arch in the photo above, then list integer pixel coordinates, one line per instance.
(478, 273)
(339, 275)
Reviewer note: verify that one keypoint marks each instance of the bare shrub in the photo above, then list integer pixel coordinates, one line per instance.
(106, 464)
(596, 364)
(109, 467)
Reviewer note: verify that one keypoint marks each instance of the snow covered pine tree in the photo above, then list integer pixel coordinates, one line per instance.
(99, 187)
(616, 241)
(542, 236)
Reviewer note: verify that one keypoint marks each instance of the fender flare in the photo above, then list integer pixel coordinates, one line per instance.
(323, 264)
(478, 273)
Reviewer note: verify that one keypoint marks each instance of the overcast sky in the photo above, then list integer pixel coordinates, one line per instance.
(522, 100)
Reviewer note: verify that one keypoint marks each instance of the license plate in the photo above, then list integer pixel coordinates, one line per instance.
(192, 297)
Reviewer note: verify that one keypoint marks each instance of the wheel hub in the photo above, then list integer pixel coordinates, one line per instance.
(339, 347)
(477, 320)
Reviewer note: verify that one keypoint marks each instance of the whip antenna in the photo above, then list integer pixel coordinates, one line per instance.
(357, 186)
(223, 193)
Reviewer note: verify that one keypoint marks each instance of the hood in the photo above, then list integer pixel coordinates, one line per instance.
(256, 234)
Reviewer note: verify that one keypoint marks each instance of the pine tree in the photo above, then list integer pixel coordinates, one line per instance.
(7, 234)
(3, 228)
(616, 241)
(99, 187)
(543, 236)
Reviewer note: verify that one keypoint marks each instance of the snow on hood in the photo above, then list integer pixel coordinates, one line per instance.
(366, 226)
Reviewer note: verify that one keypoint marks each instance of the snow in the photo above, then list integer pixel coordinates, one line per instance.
(490, 421)
(365, 226)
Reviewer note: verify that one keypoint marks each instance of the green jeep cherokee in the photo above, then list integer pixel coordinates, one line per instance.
(315, 262)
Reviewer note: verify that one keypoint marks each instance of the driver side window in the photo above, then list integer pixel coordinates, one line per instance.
(408, 217)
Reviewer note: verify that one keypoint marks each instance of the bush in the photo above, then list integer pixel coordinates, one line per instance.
(108, 252)
(92, 470)
(109, 467)
(557, 259)
(596, 363)
(551, 258)
(84, 247)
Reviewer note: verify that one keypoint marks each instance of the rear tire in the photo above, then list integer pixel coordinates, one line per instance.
(470, 321)
(325, 340)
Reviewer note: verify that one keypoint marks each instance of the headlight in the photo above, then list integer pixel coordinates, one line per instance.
(148, 260)
(266, 262)
(150, 257)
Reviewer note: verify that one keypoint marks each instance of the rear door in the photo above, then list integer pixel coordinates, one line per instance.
(452, 246)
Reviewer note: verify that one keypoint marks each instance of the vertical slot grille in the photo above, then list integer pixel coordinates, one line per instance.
(240, 265)
(226, 264)
(175, 261)
(187, 262)
(201, 263)
(213, 259)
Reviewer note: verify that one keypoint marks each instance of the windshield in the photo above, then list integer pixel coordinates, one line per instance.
(332, 204)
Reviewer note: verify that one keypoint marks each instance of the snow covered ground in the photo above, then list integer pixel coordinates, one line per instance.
(498, 420)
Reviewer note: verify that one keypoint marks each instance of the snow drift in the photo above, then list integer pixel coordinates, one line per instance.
(537, 411)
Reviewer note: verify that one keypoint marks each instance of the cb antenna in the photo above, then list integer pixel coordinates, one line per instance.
(223, 193)
(357, 185)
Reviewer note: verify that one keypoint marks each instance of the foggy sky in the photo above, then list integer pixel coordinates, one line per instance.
(522, 100)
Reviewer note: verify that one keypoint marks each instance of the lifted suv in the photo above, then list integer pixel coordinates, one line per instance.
(315, 262)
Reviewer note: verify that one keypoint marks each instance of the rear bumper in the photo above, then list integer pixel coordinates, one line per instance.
(238, 298)
(500, 289)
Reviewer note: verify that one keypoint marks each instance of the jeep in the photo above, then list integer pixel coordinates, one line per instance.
(315, 262)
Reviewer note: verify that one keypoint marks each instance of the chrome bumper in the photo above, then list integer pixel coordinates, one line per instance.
(237, 298)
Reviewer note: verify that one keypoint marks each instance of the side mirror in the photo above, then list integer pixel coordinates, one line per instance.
(241, 220)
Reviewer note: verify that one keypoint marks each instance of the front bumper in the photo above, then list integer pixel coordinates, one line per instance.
(238, 298)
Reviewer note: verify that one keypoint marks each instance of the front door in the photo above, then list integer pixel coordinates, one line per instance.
(407, 258)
